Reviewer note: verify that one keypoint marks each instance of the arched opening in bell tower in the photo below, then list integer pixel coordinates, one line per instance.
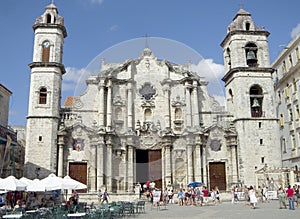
(256, 100)
(251, 54)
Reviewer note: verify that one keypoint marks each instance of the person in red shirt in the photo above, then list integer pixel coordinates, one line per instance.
(205, 195)
(290, 194)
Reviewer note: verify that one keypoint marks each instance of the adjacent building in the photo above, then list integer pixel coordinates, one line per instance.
(286, 85)
(8, 137)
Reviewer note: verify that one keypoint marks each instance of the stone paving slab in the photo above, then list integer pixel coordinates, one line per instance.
(225, 210)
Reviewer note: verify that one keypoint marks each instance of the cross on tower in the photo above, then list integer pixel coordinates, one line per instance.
(146, 41)
(241, 5)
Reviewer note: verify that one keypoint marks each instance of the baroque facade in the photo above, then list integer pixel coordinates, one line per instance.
(148, 119)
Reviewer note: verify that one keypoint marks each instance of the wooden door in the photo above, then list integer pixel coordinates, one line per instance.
(217, 175)
(78, 171)
(155, 167)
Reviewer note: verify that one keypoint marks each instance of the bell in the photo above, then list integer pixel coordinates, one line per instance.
(255, 103)
(251, 56)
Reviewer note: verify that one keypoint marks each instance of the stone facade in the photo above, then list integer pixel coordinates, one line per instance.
(8, 138)
(148, 119)
(250, 96)
(286, 83)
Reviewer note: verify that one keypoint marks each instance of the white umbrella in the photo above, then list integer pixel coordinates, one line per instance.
(11, 183)
(69, 183)
(25, 180)
(52, 182)
(36, 186)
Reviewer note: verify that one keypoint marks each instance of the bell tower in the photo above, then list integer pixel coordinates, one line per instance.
(250, 96)
(45, 94)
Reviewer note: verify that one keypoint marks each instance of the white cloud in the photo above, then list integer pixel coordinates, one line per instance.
(74, 78)
(220, 99)
(113, 28)
(208, 69)
(97, 1)
(212, 72)
(295, 31)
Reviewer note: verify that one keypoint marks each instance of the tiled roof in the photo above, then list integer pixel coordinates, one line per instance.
(69, 101)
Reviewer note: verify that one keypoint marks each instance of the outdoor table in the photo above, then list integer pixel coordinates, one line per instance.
(12, 216)
(76, 215)
(31, 211)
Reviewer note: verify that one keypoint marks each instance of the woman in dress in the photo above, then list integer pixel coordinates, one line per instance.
(252, 196)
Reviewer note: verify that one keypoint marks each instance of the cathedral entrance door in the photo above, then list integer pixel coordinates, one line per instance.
(149, 167)
(217, 175)
(78, 171)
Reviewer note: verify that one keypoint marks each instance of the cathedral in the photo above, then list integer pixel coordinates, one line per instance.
(148, 119)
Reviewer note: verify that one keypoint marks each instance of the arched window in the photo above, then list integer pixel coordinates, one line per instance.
(148, 115)
(43, 96)
(48, 18)
(118, 113)
(251, 54)
(45, 51)
(178, 114)
(256, 100)
(247, 26)
(228, 57)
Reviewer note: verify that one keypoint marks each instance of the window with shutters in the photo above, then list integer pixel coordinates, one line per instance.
(43, 96)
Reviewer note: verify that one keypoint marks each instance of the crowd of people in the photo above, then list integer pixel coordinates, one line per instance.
(286, 196)
(191, 196)
(17, 200)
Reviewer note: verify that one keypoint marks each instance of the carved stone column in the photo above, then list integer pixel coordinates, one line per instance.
(101, 103)
(61, 145)
(109, 165)
(197, 162)
(234, 165)
(168, 172)
(109, 105)
(100, 166)
(189, 157)
(93, 172)
(204, 164)
(130, 167)
(129, 106)
(195, 108)
(163, 166)
(168, 114)
(188, 117)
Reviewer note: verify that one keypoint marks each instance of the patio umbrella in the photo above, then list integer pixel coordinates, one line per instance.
(36, 186)
(194, 184)
(69, 183)
(11, 183)
(52, 182)
(25, 180)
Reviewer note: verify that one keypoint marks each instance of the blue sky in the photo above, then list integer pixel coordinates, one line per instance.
(93, 26)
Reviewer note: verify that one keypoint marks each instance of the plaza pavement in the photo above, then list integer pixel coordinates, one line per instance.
(225, 210)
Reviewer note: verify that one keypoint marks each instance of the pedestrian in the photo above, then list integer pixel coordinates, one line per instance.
(234, 193)
(99, 194)
(252, 196)
(105, 197)
(290, 195)
(205, 195)
(281, 198)
(180, 197)
(246, 195)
